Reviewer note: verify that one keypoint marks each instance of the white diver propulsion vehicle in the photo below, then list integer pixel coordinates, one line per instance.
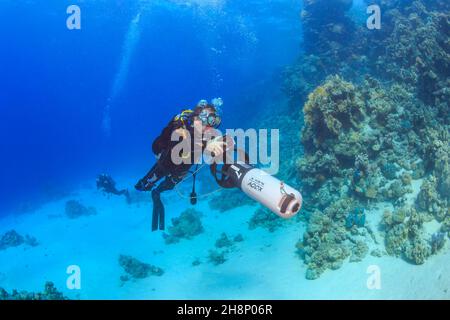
(272, 193)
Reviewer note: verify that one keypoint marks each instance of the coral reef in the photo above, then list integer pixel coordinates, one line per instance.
(405, 235)
(368, 137)
(412, 48)
(137, 269)
(331, 109)
(13, 239)
(223, 241)
(223, 246)
(357, 149)
(326, 243)
(359, 251)
(417, 251)
(355, 218)
(187, 226)
(217, 257)
(50, 293)
(31, 241)
(264, 218)
(74, 209)
(430, 201)
(336, 140)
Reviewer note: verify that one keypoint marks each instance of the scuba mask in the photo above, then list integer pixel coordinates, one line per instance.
(210, 119)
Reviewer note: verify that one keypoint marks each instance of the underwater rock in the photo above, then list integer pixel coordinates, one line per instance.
(445, 226)
(264, 218)
(217, 257)
(124, 278)
(50, 293)
(11, 239)
(376, 253)
(417, 251)
(311, 274)
(238, 238)
(74, 209)
(137, 269)
(437, 242)
(325, 243)
(429, 200)
(196, 262)
(187, 226)
(31, 241)
(359, 251)
(223, 241)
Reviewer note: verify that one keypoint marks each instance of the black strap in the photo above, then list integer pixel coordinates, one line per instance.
(221, 176)
(194, 175)
(193, 193)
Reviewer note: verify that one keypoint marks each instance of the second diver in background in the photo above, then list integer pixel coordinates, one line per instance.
(106, 184)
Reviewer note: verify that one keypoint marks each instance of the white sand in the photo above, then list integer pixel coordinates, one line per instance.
(263, 266)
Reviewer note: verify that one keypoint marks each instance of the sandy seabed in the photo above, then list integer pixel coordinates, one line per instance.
(264, 266)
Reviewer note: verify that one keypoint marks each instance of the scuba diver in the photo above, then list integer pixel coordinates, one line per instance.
(106, 184)
(205, 116)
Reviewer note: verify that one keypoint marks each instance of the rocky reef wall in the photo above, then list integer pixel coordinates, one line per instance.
(376, 123)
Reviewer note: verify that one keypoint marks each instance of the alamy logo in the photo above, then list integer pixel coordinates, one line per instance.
(73, 22)
(255, 142)
(374, 280)
(374, 20)
(74, 279)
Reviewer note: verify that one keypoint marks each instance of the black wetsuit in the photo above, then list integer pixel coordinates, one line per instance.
(165, 168)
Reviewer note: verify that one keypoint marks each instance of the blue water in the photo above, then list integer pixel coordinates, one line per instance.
(78, 103)
(56, 85)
